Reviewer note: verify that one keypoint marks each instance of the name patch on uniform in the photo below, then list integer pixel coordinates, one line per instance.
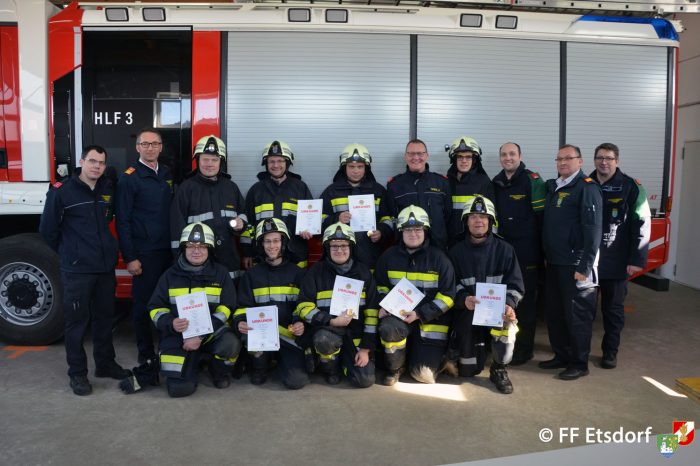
(229, 206)
(106, 197)
(517, 197)
(615, 200)
(437, 190)
(562, 196)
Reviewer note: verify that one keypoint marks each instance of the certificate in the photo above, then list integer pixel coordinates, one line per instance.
(362, 213)
(265, 335)
(402, 299)
(492, 304)
(309, 216)
(195, 308)
(346, 296)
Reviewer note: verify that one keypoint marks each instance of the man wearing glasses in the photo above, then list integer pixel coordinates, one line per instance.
(572, 230)
(75, 224)
(625, 242)
(420, 187)
(142, 210)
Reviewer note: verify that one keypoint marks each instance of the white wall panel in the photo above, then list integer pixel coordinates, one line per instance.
(617, 93)
(494, 90)
(318, 92)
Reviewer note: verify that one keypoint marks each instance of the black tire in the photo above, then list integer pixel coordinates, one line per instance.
(31, 293)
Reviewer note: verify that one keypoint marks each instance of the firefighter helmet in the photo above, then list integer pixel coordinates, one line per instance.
(463, 144)
(210, 145)
(478, 204)
(270, 225)
(338, 231)
(355, 153)
(197, 233)
(412, 216)
(277, 148)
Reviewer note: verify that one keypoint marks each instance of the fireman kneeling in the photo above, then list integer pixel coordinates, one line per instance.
(483, 257)
(194, 271)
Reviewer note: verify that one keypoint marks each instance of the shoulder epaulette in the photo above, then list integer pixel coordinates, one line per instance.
(129, 170)
(534, 175)
(639, 183)
(588, 180)
(57, 184)
(444, 176)
(391, 178)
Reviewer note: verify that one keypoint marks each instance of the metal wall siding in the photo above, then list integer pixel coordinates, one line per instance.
(494, 90)
(617, 93)
(318, 92)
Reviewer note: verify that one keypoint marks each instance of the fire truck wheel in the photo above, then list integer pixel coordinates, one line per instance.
(31, 293)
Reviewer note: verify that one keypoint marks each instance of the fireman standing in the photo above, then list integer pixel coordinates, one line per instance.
(194, 271)
(354, 177)
(467, 177)
(624, 245)
(142, 212)
(209, 196)
(75, 224)
(274, 281)
(483, 257)
(342, 342)
(423, 331)
(276, 195)
(519, 204)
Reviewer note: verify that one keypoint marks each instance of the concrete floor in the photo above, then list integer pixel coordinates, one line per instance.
(42, 422)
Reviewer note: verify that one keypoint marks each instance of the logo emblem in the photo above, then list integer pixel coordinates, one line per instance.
(685, 430)
(348, 286)
(191, 302)
(614, 213)
(261, 315)
(362, 202)
(561, 198)
(409, 292)
(491, 291)
(667, 444)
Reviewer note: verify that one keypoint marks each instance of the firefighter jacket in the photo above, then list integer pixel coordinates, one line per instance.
(431, 192)
(430, 270)
(572, 226)
(75, 224)
(626, 226)
(181, 279)
(519, 205)
(215, 203)
(475, 181)
(315, 301)
(142, 210)
(493, 261)
(335, 201)
(271, 285)
(266, 199)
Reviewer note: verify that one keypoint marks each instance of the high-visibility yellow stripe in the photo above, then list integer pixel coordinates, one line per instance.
(210, 290)
(328, 356)
(303, 264)
(435, 328)
(371, 320)
(304, 308)
(264, 208)
(326, 294)
(392, 344)
(224, 310)
(289, 206)
(418, 276)
(371, 312)
(172, 359)
(285, 332)
(357, 341)
(275, 290)
(377, 200)
(339, 200)
(445, 299)
(158, 310)
(461, 198)
(240, 311)
(382, 289)
(499, 333)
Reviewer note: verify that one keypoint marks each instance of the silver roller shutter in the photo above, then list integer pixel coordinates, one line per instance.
(318, 92)
(617, 93)
(494, 90)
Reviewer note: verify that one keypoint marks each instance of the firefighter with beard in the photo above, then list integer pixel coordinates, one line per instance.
(483, 257)
(274, 281)
(276, 195)
(193, 271)
(354, 177)
(209, 196)
(423, 331)
(467, 178)
(340, 341)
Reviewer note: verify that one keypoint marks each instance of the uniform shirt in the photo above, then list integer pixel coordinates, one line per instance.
(519, 203)
(215, 203)
(142, 210)
(429, 191)
(266, 199)
(75, 224)
(626, 226)
(472, 182)
(335, 202)
(572, 228)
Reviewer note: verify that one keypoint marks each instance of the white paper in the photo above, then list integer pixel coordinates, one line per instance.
(309, 216)
(346, 296)
(492, 304)
(402, 299)
(265, 335)
(195, 308)
(363, 217)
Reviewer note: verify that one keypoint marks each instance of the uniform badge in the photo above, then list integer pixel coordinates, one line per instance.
(685, 431)
(517, 197)
(562, 196)
(667, 444)
(614, 213)
(129, 170)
